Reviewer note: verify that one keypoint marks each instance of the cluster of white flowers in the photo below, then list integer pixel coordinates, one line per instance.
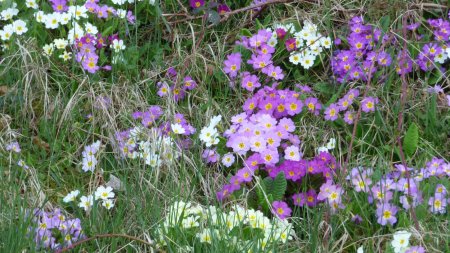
(18, 26)
(212, 224)
(151, 146)
(104, 194)
(89, 160)
(70, 18)
(209, 134)
(330, 146)
(309, 43)
(400, 243)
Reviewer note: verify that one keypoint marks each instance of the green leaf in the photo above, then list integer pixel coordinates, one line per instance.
(411, 140)
(324, 87)
(260, 192)
(279, 186)
(259, 25)
(385, 22)
(246, 32)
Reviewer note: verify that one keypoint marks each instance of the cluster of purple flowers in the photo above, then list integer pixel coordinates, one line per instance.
(264, 132)
(382, 192)
(105, 11)
(54, 230)
(344, 104)
(260, 60)
(279, 103)
(87, 48)
(361, 57)
(329, 192)
(435, 52)
(323, 165)
(148, 118)
(173, 91)
(441, 29)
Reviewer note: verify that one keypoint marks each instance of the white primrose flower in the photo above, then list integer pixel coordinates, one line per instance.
(31, 4)
(190, 222)
(331, 144)
(8, 13)
(272, 42)
(64, 18)
(118, 45)
(89, 163)
(86, 202)
(177, 128)
(401, 241)
(52, 20)
(20, 27)
(326, 42)
(7, 32)
(108, 204)
(209, 136)
(90, 28)
(66, 56)
(104, 193)
(78, 11)
(72, 196)
(207, 235)
(60, 43)
(307, 61)
(121, 13)
(295, 58)
(48, 49)
(441, 57)
(39, 16)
